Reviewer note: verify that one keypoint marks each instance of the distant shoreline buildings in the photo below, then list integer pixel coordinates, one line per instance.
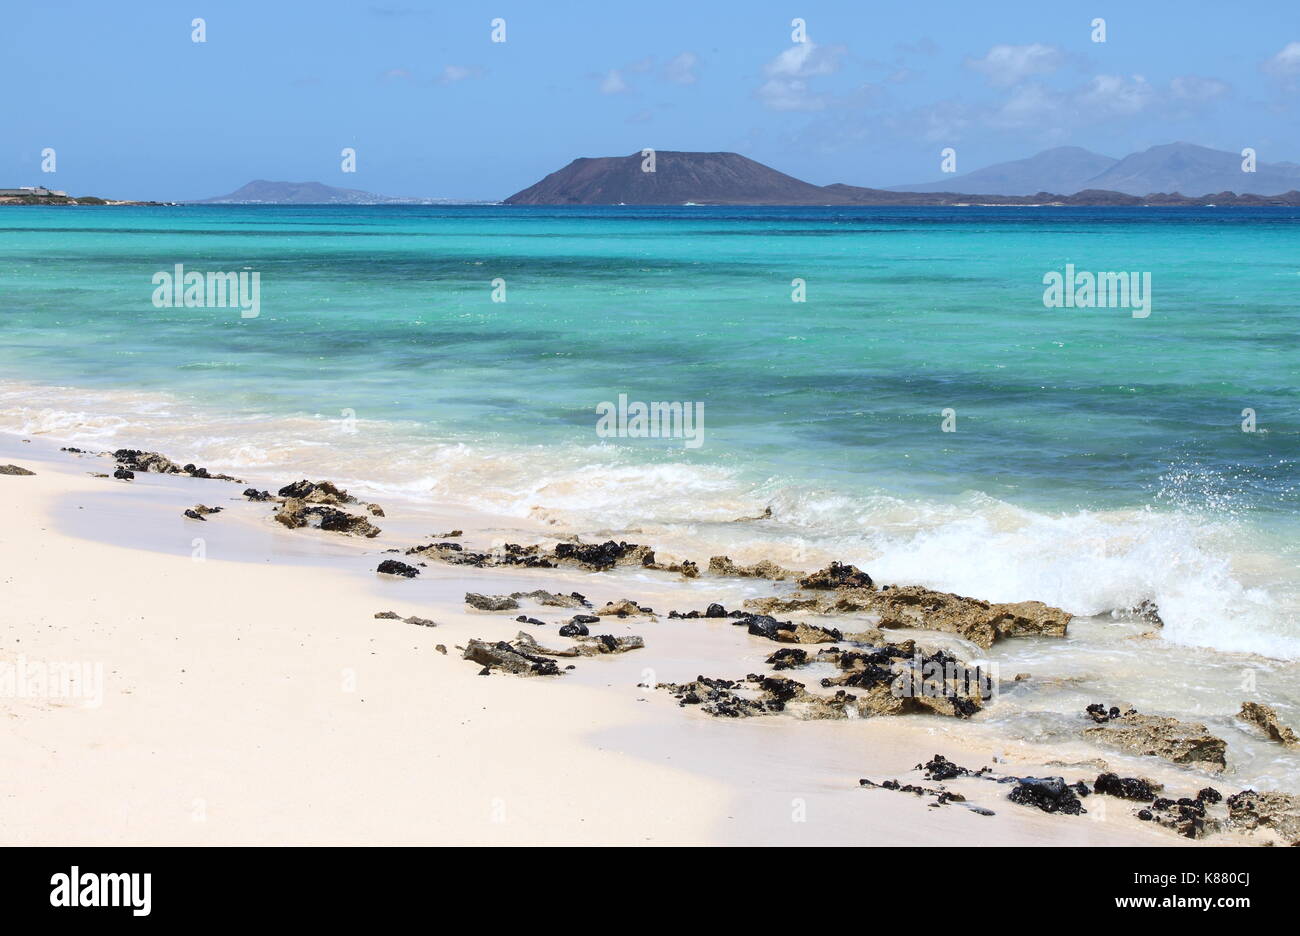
(33, 190)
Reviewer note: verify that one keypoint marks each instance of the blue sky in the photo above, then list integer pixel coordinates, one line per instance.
(135, 109)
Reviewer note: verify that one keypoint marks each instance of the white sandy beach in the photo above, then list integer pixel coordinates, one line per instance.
(250, 696)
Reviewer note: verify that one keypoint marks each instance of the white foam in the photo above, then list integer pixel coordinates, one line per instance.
(1217, 581)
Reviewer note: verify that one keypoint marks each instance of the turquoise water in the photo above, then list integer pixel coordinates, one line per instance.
(1098, 458)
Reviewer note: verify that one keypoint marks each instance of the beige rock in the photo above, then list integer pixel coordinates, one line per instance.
(1264, 716)
(765, 568)
(1186, 743)
(1279, 813)
(594, 645)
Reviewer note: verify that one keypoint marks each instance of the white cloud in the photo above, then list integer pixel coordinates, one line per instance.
(454, 73)
(612, 83)
(1286, 63)
(1006, 65)
(1029, 105)
(1195, 89)
(681, 70)
(1116, 96)
(786, 87)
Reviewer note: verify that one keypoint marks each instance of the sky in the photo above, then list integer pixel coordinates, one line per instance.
(134, 108)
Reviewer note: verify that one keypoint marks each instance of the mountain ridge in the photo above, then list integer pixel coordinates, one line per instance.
(266, 192)
(1166, 167)
(684, 178)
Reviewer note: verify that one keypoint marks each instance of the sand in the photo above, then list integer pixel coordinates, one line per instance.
(250, 696)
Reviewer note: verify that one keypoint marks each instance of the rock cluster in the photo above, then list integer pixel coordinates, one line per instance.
(852, 591)
(137, 460)
(1186, 743)
(295, 513)
(765, 569)
(837, 575)
(411, 619)
(1276, 812)
(940, 768)
(1187, 816)
(879, 683)
(200, 512)
(597, 557)
(524, 656)
(502, 655)
(490, 602)
(583, 645)
(764, 625)
(554, 600)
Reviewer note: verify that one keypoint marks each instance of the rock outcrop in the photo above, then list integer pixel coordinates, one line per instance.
(624, 607)
(137, 460)
(296, 513)
(553, 600)
(411, 619)
(1187, 816)
(764, 569)
(1264, 717)
(490, 602)
(837, 575)
(1187, 743)
(595, 557)
(503, 656)
(883, 680)
(1278, 813)
(596, 645)
(851, 591)
(764, 625)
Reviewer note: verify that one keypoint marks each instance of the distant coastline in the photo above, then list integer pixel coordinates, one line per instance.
(78, 200)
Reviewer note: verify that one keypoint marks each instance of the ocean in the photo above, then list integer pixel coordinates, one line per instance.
(921, 413)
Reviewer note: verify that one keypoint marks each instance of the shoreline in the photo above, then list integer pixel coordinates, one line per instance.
(572, 759)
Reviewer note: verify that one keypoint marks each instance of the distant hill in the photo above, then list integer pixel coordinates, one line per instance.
(682, 178)
(679, 178)
(1065, 169)
(262, 192)
(1171, 167)
(1192, 169)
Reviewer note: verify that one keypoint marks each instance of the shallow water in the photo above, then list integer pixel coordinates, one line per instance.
(1098, 458)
